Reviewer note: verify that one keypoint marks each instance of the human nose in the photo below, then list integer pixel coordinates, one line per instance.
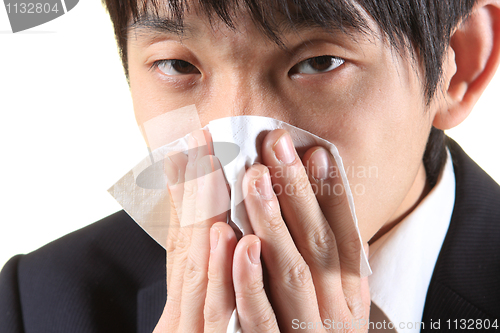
(239, 95)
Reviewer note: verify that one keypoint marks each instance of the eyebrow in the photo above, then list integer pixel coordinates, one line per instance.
(162, 25)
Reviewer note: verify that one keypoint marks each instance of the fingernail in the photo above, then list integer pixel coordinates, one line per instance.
(172, 171)
(214, 238)
(320, 164)
(264, 187)
(253, 252)
(284, 149)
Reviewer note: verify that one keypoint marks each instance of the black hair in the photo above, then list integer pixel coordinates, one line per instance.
(420, 29)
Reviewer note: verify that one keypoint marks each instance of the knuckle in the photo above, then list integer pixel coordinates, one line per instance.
(274, 222)
(265, 321)
(177, 245)
(350, 245)
(174, 242)
(251, 290)
(213, 316)
(190, 191)
(356, 306)
(298, 276)
(192, 269)
(194, 278)
(215, 277)
(322, 244)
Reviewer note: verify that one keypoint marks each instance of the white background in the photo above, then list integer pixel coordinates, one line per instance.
(67, 129)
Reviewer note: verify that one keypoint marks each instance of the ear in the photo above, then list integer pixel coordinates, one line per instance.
(473, 58)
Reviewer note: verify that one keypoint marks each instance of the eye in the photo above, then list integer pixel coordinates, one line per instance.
(175, 67)
(318, 65)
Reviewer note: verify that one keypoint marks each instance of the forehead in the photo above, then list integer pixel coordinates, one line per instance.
(272, 19)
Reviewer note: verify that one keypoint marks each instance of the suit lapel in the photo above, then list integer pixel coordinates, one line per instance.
(464, 284)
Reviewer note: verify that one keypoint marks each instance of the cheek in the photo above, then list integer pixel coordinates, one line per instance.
(149, 99)
(142, 91)
(380, 128)
(391, 148)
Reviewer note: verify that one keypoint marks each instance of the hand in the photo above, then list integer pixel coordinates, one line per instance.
(312, 260)
(200, 293)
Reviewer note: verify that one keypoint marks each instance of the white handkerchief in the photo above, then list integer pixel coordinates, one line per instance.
(237, 141)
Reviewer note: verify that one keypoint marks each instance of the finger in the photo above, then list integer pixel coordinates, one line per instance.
(213, 201)
(292, 289)
(198, 148)
(332, 198)
(211, 192)
(309, 228)
(175, 166)
(179, 239)
(220, 300)
(305, 220)
(179, 172)
(176, 263)
(254, 309)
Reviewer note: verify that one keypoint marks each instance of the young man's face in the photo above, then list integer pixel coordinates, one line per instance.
(360, 95)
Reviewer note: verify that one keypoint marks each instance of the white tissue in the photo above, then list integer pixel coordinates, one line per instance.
(143, 194)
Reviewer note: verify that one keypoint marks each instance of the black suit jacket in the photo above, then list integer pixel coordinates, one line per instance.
(465, 283)
(110, 276)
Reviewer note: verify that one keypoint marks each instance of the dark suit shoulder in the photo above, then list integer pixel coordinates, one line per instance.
(465, 279)
(11, 320)
(115, 243)
(89, 280)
